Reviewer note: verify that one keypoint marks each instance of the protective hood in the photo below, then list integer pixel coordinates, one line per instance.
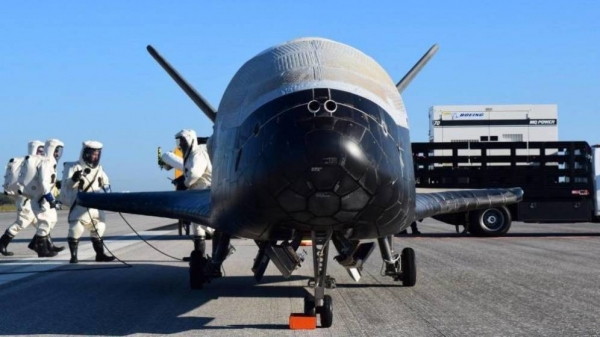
(35, 147)
(186, 140)
(54, 149)
(91, 152)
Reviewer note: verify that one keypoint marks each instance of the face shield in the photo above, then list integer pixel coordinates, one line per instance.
(92, 157)
(58, 151)
(182, 144)
(40, 150)
(34, 146)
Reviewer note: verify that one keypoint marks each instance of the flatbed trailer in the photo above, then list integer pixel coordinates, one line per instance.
(559, 180)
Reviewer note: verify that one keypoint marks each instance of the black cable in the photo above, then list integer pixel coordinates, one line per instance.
(96, 229)
(136, 233)
(101, 240)
(148, 243)
(126, 265)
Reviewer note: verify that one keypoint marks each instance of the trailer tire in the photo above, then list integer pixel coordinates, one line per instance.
(494, 221)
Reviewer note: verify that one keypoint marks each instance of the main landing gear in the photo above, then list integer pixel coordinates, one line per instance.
(204, 268)
(401, 267)
(184, 226)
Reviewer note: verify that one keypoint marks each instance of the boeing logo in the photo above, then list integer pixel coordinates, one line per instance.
(467, 115)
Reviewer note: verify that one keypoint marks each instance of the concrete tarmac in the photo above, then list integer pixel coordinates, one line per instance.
(539, 280)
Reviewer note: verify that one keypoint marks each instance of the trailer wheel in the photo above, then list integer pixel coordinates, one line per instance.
(490, 222)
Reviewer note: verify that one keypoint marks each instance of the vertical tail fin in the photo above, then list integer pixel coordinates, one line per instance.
(202, 103)
(405, 81)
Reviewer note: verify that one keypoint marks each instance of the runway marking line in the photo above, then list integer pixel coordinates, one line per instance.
(33, 265)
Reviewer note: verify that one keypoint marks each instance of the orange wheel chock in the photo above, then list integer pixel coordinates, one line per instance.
(303, 322)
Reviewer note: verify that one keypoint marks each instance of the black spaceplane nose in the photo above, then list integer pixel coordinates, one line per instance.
(323, 162)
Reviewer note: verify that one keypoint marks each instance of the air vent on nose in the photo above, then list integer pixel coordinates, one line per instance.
(314, 106)
(330, 106)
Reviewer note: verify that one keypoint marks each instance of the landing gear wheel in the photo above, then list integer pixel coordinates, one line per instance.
(326, 312)
(490, 222)
(409, 267)
(197, 263)
(309, 305)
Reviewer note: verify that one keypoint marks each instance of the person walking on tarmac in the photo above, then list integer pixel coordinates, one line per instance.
(25, 215)
(197, 175)
(85, 175)
(37, 177)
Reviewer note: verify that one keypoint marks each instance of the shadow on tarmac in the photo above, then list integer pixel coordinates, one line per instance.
(147, 299)
(507, 235)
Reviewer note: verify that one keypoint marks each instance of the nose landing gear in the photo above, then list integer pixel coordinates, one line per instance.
(325, 311)
(320, 303)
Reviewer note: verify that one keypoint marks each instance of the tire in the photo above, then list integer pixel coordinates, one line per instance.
(196, 268)
(327, 312)
(409, 267)
(490, 222)
(309, 306)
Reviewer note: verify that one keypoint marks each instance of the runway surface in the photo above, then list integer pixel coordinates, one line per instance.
(539, 280)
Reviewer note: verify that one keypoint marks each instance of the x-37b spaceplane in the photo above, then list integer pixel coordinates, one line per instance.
(311, 142)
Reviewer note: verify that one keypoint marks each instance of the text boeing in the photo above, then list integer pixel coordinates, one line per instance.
(468, 115)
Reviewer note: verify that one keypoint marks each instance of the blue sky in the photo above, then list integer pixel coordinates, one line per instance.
(79, 70)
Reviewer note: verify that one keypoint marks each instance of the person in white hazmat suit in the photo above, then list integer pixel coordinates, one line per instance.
(197, 175)
(25, 215)
(38, 178)
(86, 176)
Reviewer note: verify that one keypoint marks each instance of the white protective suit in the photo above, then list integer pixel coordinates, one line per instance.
(197, 168)
(25, 215)
(92, 179)
(38, 180)
(86, 176)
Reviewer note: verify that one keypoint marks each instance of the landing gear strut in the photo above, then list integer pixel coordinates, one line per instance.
(401, 267)
(320, 303)
(204, 268)
(184, 225)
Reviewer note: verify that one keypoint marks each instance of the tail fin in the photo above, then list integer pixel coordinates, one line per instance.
(202, 103)
(405, 81)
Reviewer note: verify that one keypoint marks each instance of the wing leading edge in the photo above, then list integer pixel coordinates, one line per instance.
(185, 205)
(430, 204)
